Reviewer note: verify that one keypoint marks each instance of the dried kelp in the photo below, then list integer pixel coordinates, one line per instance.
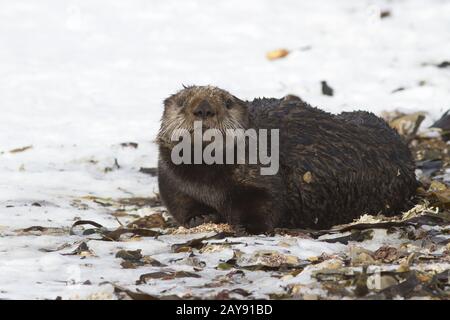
(198, 243)
(113, 235)
(166, 275)
(132, 259)
(139, 295)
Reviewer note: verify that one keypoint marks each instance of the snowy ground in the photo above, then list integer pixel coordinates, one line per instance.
(78, 79)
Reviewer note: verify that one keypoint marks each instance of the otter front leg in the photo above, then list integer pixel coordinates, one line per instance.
(188, 212)
(254, 211)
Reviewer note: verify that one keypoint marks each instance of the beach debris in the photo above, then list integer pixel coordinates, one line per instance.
(326, 89)
(277, 54)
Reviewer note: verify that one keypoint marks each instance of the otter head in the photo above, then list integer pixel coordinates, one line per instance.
(214, 107)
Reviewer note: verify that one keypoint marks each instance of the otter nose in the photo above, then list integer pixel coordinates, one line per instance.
(204, 110)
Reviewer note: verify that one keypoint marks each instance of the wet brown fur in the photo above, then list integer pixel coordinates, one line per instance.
(333, 168)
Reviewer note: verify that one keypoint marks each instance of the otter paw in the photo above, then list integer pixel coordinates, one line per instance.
(201, 219)
(252, 229)
(240, 231)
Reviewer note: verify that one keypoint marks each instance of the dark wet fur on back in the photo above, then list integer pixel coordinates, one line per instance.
(356, 164)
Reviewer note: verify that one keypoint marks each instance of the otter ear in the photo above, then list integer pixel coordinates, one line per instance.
(238, 100)
(169, 101)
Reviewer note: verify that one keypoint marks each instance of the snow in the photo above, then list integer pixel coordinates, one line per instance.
(79, 78)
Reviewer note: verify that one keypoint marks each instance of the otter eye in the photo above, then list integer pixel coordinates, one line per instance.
(228, 103)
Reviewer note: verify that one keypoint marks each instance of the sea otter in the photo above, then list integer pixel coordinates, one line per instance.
(332, 168)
